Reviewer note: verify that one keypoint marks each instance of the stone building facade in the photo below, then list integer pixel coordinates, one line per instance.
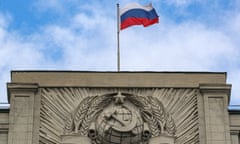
(71, 107)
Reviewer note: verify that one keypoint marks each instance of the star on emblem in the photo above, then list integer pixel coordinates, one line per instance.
(119, 98)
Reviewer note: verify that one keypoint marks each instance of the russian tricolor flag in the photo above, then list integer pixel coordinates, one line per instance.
(135, 14)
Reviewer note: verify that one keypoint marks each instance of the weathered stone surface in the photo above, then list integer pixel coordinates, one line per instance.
(118, 79)
(51, 107)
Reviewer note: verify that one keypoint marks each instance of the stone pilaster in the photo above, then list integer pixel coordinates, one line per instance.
(235, 136)
(23, 105)
(215, 106)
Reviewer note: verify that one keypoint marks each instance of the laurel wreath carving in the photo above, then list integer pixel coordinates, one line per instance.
(151, 109)
(85, 113)
(82, 108)
(96, 106)
(154, 114)
(170, 125)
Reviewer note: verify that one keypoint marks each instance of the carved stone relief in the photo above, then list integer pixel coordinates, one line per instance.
(119, 116)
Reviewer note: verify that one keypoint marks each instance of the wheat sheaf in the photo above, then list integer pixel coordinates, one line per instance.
(153, 112)
(85, 113)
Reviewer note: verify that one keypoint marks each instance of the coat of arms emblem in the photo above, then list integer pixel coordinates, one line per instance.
(119, 118)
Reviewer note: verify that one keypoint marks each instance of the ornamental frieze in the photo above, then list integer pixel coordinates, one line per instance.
(118, 116)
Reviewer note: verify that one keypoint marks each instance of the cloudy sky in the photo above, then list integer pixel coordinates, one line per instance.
(193, 35)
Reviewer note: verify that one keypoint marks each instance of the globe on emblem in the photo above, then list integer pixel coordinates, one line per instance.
(119, 125)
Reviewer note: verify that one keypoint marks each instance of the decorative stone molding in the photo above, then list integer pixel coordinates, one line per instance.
(216, 88)
(95, 115)
(20, 87)
(121, 118)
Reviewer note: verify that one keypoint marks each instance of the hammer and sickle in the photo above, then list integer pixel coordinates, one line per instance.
(126, 126)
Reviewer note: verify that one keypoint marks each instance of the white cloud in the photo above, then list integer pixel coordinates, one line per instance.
(88, 42)
(181, 3)
(190, 45)
(15, 53)
(42, 5)
(234, 79)
(232, 29)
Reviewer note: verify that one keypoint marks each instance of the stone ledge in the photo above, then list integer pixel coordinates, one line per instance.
(117, 79)
(215, 88)
(19, 87)
(4, 126)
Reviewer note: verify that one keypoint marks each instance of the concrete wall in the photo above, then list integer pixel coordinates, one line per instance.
(234, 117)
(4, 125)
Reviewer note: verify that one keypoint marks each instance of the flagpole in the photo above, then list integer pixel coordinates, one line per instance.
(118, 44)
